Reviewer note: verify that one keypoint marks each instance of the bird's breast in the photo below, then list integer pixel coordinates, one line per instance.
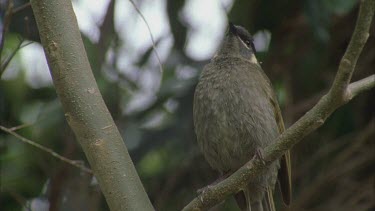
(232, 115)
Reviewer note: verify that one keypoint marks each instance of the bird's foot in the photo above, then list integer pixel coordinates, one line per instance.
(259, 155)
(203, 190)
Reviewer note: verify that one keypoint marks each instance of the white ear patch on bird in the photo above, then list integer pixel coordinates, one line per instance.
(253, 59)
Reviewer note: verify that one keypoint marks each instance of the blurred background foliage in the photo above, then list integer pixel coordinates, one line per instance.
(333, 168)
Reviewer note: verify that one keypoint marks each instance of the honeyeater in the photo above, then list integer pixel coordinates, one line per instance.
(236, 114)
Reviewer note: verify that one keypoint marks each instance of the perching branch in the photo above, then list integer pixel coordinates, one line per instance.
(84, 107)
(340, 93)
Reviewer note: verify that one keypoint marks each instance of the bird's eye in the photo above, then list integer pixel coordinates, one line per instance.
(248, 42)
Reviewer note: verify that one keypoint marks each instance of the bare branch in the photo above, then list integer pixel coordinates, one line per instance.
(151, 36)
(84, 107)
(7, 19)
(20, 8)
(19, 127)
(360, 86)
(77, 164)
(358, 40)
(339, 94)
(7, 61)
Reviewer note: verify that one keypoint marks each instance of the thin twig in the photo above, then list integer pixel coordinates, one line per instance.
(7, 18)
(20, 45)
(77, 164)
(22, 7)
(19, 127)
(360, 86)
(151, 36)
(26, 44)
(5, 64)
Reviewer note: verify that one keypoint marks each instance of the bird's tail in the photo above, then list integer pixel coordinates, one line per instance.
(244, 201)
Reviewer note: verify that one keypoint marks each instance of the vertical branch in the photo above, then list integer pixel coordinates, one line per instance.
(352, 53)
(84, 107)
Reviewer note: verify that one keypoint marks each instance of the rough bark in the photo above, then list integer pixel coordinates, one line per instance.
(84, 108)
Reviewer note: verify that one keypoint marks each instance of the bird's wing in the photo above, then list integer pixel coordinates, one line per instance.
(284, 174)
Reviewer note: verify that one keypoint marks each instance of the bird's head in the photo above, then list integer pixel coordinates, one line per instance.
(238, 42)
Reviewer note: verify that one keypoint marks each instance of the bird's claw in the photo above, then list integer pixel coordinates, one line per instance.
(259, 155)
(201, 192)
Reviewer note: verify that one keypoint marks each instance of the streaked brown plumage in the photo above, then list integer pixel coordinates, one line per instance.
(235, 114)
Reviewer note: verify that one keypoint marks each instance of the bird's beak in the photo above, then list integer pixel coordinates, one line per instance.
(232, 28)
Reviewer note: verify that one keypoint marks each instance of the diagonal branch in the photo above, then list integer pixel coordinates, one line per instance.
(77, 164)
(84, 107)
(340, 93)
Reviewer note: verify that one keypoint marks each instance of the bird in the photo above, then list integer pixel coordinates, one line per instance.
(236, 114)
